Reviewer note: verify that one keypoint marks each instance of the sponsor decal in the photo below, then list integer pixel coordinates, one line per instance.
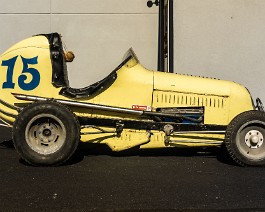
(141, 107)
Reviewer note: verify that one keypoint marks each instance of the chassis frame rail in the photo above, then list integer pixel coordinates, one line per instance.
(108, 108)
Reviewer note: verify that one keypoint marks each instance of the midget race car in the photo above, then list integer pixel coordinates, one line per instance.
(131, 107)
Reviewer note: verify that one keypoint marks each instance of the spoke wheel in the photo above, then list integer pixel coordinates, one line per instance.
(46, 133)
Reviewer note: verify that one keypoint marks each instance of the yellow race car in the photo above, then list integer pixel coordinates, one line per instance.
(131, 107)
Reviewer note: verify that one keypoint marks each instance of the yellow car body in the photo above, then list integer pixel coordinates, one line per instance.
(28, 74)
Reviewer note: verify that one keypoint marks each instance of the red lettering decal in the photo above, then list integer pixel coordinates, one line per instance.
(140, 107)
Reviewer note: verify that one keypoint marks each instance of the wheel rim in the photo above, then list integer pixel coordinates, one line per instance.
(45, 134)
(250, 140)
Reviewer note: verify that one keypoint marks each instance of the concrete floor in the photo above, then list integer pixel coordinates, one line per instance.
(96, 179)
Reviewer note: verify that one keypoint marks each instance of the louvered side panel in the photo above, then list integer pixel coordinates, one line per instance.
(174, 99)
(215, 106)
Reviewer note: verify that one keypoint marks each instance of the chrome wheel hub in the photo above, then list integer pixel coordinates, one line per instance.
(45, 134)
(254, 139)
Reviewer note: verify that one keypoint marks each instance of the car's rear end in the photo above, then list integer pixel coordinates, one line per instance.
(25, 69)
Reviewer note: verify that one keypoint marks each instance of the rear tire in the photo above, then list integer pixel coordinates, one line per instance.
(46, 133)
(244, 138)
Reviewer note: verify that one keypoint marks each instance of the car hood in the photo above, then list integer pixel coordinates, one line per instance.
(192, 84)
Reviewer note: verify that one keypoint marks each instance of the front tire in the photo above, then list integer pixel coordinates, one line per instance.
(46, 133)
(244, 138)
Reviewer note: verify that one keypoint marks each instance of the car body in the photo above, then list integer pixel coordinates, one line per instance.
(132, 106)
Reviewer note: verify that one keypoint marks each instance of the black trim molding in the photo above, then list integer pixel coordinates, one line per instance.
(59, 70)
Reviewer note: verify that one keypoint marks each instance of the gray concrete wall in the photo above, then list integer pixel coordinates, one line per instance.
(222, 38)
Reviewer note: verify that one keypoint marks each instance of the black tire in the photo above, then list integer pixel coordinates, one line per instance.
(245, 137)
(46, 133)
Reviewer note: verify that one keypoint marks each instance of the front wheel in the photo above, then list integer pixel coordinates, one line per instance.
(46, 133)
(244, 138)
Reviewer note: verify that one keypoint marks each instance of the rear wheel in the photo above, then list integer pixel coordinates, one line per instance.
(244, 138)
(46, 133)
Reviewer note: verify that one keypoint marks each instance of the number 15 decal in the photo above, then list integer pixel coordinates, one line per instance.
(22, 78)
